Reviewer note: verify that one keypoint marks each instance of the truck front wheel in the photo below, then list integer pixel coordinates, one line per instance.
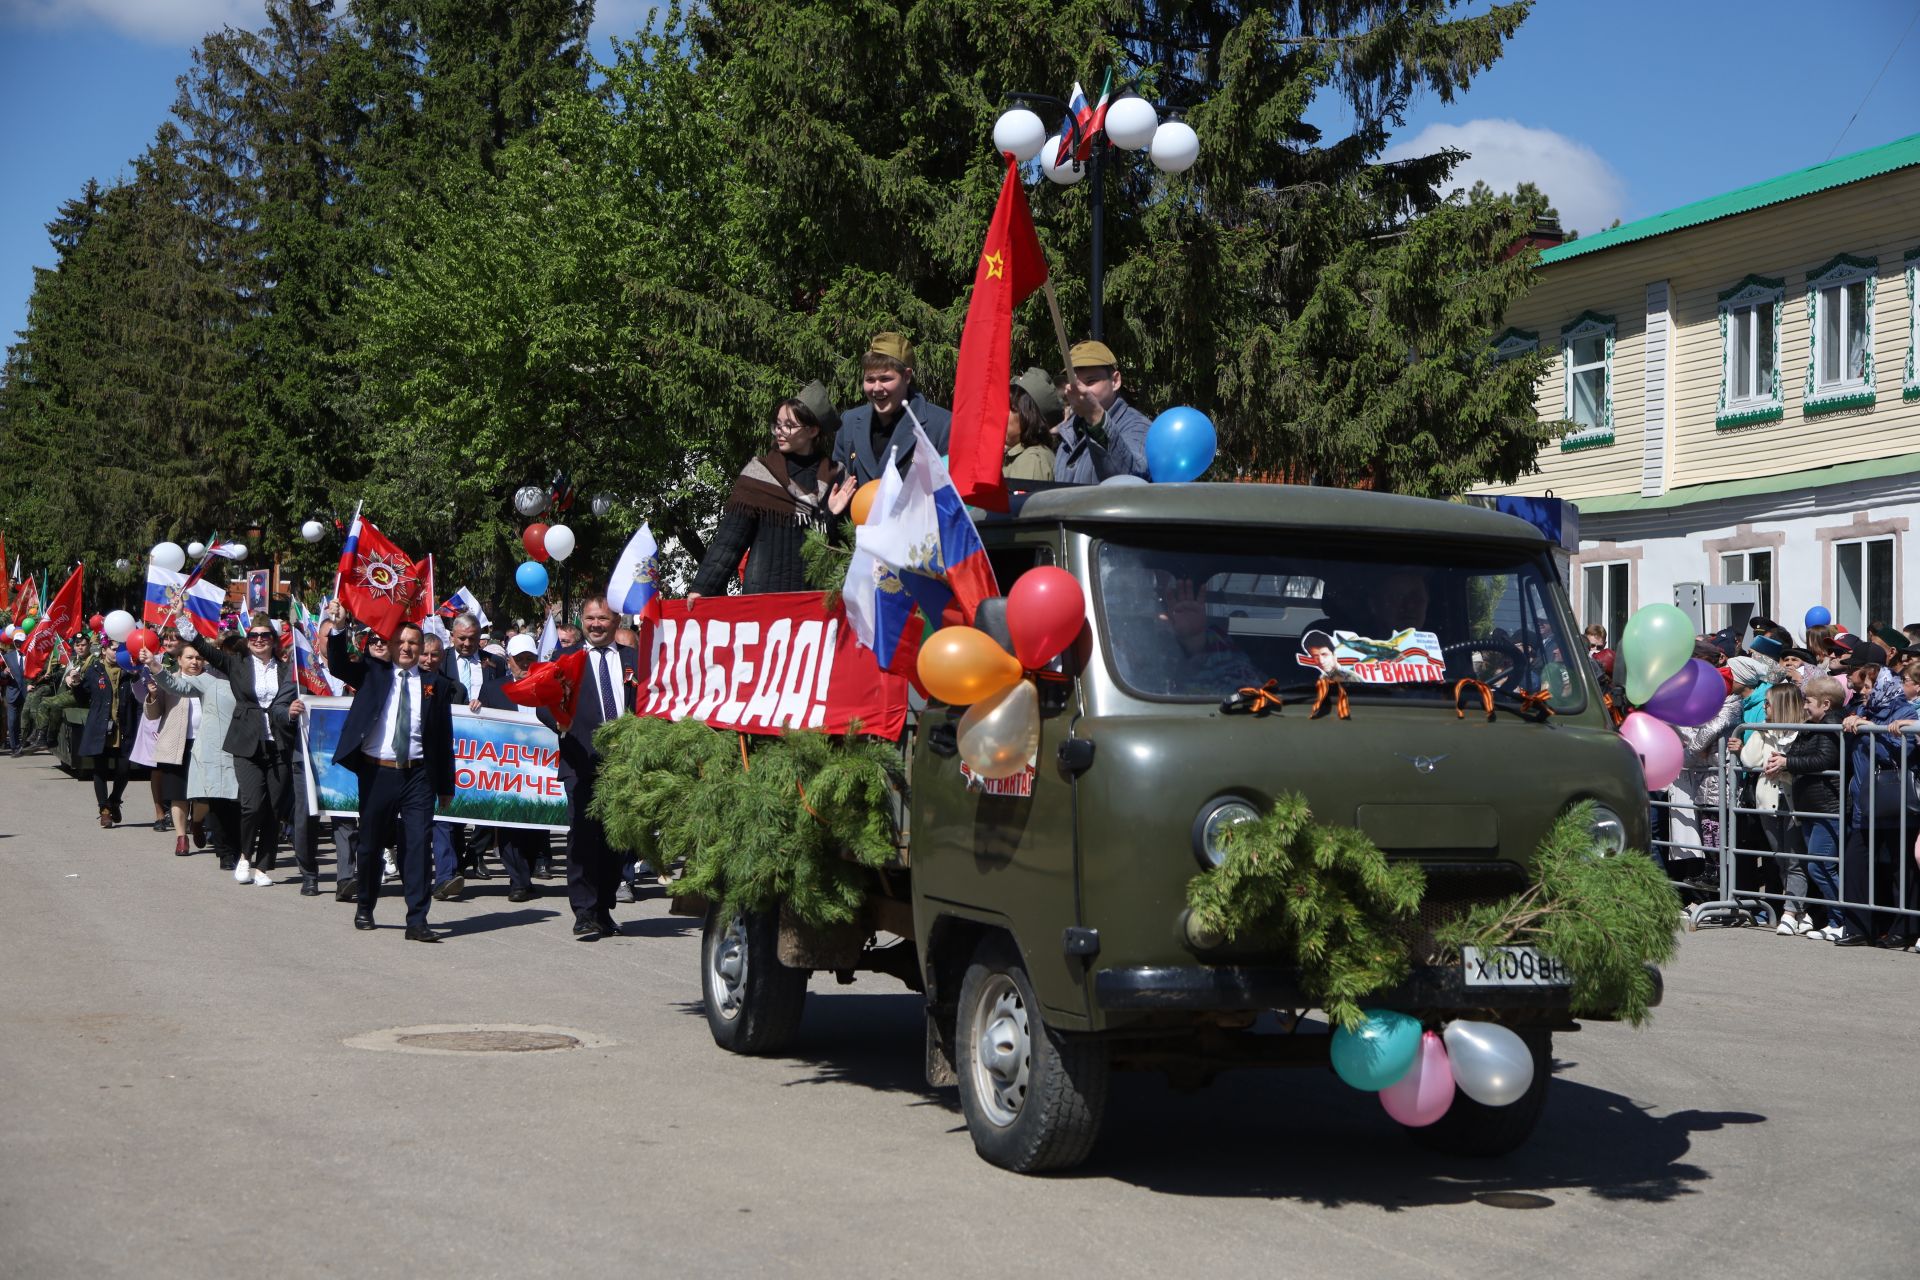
(753, 1001)
(1033, 1096)
(1472, 1128)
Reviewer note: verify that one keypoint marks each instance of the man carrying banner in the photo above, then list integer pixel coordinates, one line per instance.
(606, 691)
(398, 738)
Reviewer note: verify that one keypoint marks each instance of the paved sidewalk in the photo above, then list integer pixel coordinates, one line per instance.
(180, 1100)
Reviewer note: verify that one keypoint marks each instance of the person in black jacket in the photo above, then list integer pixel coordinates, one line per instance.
(521, 848)
(776, 499)
(112, 715)
(870, 433)
(263, 689)
(1811, 757)
(608, 683)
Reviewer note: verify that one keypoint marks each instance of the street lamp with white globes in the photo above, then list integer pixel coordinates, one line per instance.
(1132, 124)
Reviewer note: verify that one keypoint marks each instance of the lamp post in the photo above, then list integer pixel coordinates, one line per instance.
(1131, 124)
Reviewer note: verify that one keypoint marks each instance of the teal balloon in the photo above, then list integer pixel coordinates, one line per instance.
(1379, 1053)
(1657, 644)
(1180, 445)
(532, 578)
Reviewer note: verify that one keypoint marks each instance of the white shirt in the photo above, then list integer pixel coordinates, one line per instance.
(193, 718)
(266, 683)
(406, 683)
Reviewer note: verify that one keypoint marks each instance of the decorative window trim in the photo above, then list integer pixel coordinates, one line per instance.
(1910, 387)
(1515, 343)
(1844, 268)
(1586, 325)
(1754, 291)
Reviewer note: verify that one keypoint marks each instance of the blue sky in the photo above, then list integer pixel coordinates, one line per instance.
(1617, 110)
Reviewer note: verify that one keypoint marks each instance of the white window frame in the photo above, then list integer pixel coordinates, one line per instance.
(1745, 555)
(1588, 324)
(1847, 392)
(1910, 388)
(1858, 626)
(1607, 604)
(1746, 299)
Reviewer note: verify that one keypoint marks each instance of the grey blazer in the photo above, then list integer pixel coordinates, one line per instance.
(210, 776)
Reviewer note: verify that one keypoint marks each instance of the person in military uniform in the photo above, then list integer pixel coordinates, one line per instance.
(869, 431)
(1105, 436)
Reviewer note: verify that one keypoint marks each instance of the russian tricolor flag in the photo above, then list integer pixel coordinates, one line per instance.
(173, 597)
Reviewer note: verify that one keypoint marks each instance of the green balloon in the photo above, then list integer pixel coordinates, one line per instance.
(1656, 644)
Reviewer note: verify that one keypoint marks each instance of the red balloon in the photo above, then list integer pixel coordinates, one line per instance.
(1045, 611)
(535, 541)
(143, 641)
(97, 621)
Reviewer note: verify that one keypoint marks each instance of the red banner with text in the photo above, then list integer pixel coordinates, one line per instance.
(765, 664)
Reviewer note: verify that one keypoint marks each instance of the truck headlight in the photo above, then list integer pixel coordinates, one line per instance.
(1210, 827)
(1609, 831)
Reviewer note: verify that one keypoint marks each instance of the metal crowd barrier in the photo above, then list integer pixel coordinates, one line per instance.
(1870, 878)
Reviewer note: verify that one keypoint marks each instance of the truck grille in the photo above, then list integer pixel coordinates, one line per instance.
(1453, 888)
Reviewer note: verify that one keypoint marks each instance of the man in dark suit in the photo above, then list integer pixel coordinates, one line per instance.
(398, 739)
(469, 666)
(263, 689)
(607, 686)
(13, 671)
(869, 432)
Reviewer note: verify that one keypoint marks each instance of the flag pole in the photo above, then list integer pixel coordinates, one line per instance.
(1059, 326)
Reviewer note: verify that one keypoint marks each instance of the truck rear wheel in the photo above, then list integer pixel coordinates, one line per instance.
(1474, 1129)
(753, 1001)
(1033, 1096)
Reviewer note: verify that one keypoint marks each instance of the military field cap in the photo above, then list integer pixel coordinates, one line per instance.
(820, 404)
(1038, 383)
(1093, 355)
(893, 345)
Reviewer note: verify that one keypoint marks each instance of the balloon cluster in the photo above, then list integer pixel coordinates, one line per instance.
(1416, 1073)
(1671, 687)
(965, 667)
(542, 542)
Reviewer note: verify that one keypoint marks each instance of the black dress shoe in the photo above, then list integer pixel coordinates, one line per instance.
(161, 824)
(585, 930)
(363, 919)
(607, 926)
(1854, 940)
(449, 889)
(479, 870)
(346, 891)
(228, 864)
(420, 933)
(309, 886)
(527, 894)
(1895, 942)
(544, 869)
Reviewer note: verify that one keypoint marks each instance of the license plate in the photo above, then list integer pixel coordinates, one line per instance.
(1513, 967)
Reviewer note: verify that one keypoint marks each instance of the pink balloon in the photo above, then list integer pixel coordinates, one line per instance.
(1045, 611)
(1658, 747)
(1423, 1094)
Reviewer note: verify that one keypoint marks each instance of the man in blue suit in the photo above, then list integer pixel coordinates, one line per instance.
(398, 738)
(13, 673)
(607, 686)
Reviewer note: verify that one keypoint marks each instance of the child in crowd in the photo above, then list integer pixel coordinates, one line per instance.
(1811, 758)
(1784, 705)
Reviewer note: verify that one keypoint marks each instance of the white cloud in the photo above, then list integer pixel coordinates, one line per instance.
(1505, 153)
(160, 21)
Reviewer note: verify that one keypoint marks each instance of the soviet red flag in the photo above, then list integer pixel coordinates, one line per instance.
(379, 583)
(61, 620)
(553, 685)
(1011, 267)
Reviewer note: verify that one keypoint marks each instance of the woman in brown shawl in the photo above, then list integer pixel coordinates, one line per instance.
(777, 498)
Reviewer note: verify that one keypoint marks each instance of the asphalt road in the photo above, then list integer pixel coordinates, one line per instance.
(180, 1100)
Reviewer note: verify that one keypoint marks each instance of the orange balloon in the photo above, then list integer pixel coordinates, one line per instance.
(863, 500)
(963, 665)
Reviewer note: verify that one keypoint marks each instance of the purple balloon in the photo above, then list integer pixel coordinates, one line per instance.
(1692, 696)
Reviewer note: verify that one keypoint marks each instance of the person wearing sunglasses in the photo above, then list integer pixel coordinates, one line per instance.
(263, 689)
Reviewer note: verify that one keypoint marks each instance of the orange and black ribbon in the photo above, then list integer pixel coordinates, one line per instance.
(1460, 690)
(1255, 702)
(1335, 689)
(1534, 700)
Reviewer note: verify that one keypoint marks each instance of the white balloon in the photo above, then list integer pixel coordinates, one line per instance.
(1175, 147)
(169, 556)
(1131, 122)
(1067, 174)
(999, 735)
(530, 500)
(118, 625)
(559, 541)
(195, 550)
(313, 531)
(1124, 479)
(1019, 133)
(1491, 1064)
(239, 550)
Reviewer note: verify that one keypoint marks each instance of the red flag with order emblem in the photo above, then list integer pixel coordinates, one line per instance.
(60, 621)
(379, 583)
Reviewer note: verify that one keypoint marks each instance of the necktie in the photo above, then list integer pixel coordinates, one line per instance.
(402, 723)
(609, 706)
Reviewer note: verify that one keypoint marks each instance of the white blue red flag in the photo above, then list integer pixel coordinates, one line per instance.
(464, 601)
(923, 534)
(172, 598)
(635, 584)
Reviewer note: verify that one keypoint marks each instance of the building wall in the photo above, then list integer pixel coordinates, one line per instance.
(1877, 218)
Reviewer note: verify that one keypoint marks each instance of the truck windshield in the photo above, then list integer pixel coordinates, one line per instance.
(1196, 623)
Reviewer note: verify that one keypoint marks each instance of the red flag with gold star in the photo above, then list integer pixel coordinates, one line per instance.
(1011, 267)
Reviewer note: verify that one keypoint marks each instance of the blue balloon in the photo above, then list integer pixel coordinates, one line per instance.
(1180, 445)
(1379, 1053)
(1818, 616)
(123, 658)
(531, 577)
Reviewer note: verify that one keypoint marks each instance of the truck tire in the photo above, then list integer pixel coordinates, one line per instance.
(1033, 1097)
(753, 1001)
(1474, 1129)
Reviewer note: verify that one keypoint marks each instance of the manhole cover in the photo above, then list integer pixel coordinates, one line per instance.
(472, 1038)
(1514, 1200)
(489, 1041)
